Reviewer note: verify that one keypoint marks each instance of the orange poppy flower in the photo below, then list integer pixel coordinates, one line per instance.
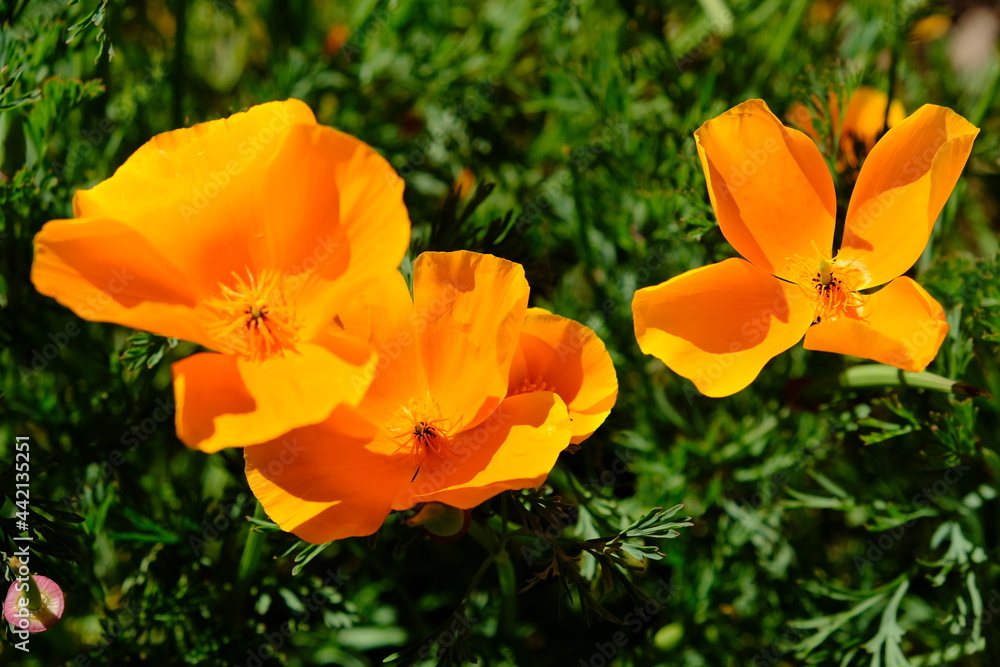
(242, 235)
(863, 123)
(719, 324)
(558, 354)
(438, 422)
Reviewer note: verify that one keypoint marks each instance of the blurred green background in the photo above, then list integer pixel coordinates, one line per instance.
(832, 524)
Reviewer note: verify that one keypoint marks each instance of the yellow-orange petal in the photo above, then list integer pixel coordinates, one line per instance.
(769, 186)
(865, 119)
(105, 271)
(718, 325)
(383, 315)
(347, 203)
(514, 448)
(468, 313)
(902, 188)
(558, 354)
(331, 480)
(195, 193)
(902, 326)
(225, 401)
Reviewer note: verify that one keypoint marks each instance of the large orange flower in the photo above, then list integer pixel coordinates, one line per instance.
(244, 235)
(770, 189)
(439, 422)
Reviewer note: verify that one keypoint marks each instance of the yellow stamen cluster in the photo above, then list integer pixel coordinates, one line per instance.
(832, 286)
(256, 319)
(529, 386)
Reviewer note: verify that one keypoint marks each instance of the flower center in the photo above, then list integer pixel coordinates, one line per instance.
(420, 430)
(832, 286)
(529, 386)
(255, 319)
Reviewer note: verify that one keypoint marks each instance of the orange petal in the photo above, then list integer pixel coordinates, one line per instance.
(769, 186)
(223, 401)
(718, 325)
(383, 315)
(196, 193)
(469, 310)
(561, 355)
(865, 119)
(345, 202)
(902, 188)
(331, 480)
(514, 448)
(105, 271)
(902, 326)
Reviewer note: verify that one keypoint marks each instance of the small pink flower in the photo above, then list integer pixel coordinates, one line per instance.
(31, 612)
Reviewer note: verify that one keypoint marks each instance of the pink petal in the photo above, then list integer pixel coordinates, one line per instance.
(35, 620)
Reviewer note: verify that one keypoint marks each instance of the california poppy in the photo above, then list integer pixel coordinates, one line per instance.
(242, 235)
(558, 354)
(439, 423)
(719, 324)
(865, 120)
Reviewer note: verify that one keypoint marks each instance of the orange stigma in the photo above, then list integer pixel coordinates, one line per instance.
(256, 320)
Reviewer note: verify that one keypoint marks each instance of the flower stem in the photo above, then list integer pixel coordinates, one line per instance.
(508, 589)
(880, 375)
(251, 553)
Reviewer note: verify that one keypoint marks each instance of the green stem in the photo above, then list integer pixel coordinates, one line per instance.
(33, 594)
(879, 375)
(508, 589)
(498, 554)
(252, 550)
(985, 102)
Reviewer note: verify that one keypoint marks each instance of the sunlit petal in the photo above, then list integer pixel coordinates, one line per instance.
(718, 325)
(903, 326)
